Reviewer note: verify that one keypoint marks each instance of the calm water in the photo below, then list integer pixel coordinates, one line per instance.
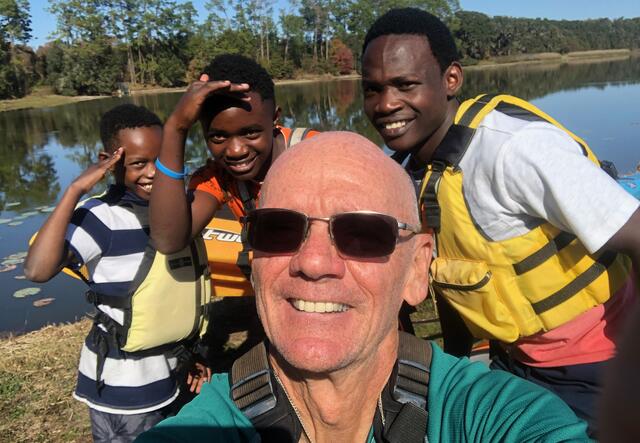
(41, 151)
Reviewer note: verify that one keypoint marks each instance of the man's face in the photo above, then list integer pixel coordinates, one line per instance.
(137, 169)
(292, 288)
(405, 94)
(240, 135)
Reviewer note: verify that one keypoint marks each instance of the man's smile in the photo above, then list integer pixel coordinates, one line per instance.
(318, 306)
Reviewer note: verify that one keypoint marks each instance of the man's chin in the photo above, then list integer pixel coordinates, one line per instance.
(314, 356)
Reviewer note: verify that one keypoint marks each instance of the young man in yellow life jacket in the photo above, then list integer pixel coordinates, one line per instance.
(530, 231)
(234, 101)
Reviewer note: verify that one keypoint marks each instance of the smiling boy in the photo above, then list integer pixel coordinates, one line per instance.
(127, 392)
(235, 104)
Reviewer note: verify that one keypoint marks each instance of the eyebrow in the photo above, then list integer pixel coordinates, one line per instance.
(254, 127)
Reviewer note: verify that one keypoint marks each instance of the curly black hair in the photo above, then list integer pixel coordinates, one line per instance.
(240, 69)
(124, 116)
(418, 22)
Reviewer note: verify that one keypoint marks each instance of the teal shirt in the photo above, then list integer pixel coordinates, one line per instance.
(467, 402)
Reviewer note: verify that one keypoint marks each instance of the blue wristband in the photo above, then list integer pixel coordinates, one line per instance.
(170, 173)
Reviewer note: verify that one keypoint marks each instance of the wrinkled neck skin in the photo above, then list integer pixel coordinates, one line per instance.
(339, 406)
(423, 155)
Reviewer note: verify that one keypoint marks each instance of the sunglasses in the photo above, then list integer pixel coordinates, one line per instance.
(358, 234)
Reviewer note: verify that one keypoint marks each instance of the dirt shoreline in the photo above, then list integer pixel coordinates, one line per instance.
(35, 101)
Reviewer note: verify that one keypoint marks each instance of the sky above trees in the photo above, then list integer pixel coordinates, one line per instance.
(43, 22)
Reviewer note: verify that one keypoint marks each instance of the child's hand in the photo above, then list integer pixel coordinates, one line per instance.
(96, 172)
(188, 109)
(198, 375)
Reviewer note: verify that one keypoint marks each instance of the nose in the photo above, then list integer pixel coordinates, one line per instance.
(235, 148)
(317, 258)
(388, 101)
(150, 170)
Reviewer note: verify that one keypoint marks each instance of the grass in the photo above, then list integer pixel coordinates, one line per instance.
(37, 377)
(38, 370)
(40, 97)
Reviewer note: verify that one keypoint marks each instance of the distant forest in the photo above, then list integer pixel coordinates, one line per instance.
(101, 44)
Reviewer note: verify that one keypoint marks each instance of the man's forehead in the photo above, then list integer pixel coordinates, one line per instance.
(334, 172)
(396, 50)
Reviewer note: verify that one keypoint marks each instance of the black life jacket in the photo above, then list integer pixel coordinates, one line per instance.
(262, 400)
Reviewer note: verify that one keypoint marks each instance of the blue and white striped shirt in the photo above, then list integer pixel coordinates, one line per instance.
(109, 234)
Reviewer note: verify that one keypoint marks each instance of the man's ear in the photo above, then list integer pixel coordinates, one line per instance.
(453, 78)
(417, 283)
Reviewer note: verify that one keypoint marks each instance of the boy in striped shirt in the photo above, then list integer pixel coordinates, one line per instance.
(127, 392)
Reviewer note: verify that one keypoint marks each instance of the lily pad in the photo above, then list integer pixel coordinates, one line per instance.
(12, 261)
(7, 268)
(20, 277)
(25, 292)
(16, 255)
(43, 302)
(12, 204)
(5, 220)
(15, 223)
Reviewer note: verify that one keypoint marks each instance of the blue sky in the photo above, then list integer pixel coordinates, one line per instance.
(43, 23)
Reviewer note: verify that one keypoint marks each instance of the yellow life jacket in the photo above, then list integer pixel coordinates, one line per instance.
(168, 302)
(516, 287)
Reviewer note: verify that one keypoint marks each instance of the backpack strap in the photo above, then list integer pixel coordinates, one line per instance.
(260, 398)
(404, 399)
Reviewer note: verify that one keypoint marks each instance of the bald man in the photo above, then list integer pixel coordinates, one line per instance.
(337, 249)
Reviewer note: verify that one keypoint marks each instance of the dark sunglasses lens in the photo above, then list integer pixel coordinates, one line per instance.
(364, 235)
(276, 231)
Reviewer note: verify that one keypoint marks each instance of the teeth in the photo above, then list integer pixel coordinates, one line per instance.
(312, 306)
(395, 125)
(147, 187)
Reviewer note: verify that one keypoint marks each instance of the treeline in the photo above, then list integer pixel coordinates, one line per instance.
(100, 45)
(480, 36)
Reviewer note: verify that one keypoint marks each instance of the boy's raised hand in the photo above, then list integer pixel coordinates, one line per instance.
(188, 109)
(96, 172)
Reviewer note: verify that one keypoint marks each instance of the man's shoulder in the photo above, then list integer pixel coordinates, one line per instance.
(210, 417)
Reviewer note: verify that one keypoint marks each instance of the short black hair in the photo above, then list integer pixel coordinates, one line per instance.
(418, 22)
(125, 116)
(240, 69)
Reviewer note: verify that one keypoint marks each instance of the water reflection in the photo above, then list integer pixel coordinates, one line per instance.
(42, 150)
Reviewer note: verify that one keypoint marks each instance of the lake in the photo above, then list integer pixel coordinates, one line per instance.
(43, 150)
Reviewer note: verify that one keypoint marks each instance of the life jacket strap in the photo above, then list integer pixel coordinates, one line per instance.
(248, 203)
(115, 301)
(243, 262)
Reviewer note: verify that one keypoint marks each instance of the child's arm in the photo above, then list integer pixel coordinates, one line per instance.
(174, 221)
(48, 254)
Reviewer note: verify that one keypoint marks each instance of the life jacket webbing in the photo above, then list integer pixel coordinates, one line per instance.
(243, 262)
(583, 280)
(543, 254)
(404, 399)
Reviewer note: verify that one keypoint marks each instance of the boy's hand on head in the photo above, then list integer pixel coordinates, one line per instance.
(96, 172)
(188, 109)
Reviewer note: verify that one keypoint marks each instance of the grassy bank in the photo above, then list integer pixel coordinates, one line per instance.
(43, 97)
(555, 57)
(38, 371)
